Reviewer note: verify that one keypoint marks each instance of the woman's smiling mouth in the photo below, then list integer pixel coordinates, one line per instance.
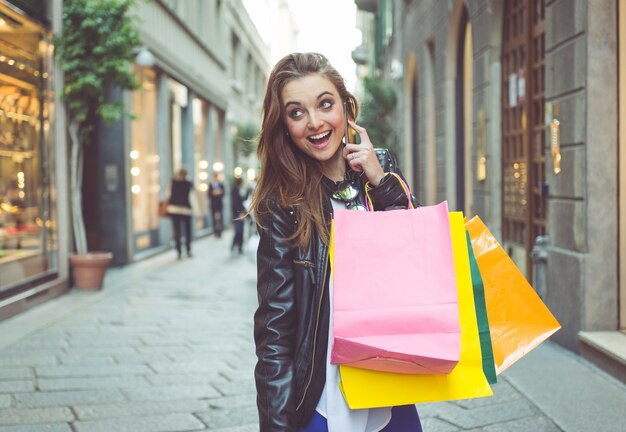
(319, 139)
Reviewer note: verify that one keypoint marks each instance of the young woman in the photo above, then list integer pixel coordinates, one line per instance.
(307, 171)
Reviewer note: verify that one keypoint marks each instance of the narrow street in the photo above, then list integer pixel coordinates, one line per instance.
(167, 346)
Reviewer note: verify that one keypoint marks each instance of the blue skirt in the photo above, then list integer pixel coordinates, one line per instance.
(403, 419)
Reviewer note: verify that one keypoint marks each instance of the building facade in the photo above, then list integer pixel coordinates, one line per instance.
(510, 110)
(202, 70)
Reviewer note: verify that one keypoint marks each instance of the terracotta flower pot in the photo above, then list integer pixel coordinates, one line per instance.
(88, 270)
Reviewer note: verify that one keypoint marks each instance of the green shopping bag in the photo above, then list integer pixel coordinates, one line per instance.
(480, 305)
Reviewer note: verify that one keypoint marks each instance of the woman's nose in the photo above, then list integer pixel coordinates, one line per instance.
(314, 121)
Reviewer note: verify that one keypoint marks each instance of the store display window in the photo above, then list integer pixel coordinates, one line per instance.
(28, 246)
(144, 161)
(201, 159)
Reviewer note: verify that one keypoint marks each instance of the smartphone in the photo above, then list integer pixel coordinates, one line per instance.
(346, 133)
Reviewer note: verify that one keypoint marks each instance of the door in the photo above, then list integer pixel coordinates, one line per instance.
(523, 130)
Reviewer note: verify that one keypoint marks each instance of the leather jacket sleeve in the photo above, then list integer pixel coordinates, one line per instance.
(275, 323)
(389, 194)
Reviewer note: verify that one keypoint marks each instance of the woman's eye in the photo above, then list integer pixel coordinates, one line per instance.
(295, 113)
(326, 104)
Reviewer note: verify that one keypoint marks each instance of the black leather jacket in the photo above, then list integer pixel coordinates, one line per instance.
(291, 323)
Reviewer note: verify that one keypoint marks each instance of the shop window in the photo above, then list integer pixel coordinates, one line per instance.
(201, 159)
(28, 242)
(144, 159)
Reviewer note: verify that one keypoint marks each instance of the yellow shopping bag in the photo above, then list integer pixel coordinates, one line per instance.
(369, 389)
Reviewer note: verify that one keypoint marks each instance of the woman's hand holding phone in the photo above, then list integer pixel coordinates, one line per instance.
(362, 157)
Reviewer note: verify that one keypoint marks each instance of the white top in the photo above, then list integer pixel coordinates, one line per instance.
(194, 210)
(332, 405)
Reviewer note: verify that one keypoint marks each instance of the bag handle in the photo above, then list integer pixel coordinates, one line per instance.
(368, 201)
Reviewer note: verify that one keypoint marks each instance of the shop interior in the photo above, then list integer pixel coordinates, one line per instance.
(25, 218)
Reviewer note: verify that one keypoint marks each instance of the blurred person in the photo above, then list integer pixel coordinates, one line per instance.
(181, 206)
(216, 201)
(239, 215)
(247, 204)
(306, 173)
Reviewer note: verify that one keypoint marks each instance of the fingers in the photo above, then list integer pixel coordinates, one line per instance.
(361, 131)
(355, 161)
(362, 157)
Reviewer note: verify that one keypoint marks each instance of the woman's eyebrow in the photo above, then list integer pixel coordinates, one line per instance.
(322, 94)
(292, 103)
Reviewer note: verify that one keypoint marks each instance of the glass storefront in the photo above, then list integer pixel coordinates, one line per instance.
(28, 242)
(144, 162)
(201, 159)
(178, 103)
(194, 140)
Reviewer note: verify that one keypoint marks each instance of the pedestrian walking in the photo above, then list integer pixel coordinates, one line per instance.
(306, 173)
(239, 215)
(216, 201)
(181, 206)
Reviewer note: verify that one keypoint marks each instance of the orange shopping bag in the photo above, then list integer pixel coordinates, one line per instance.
(518, 319)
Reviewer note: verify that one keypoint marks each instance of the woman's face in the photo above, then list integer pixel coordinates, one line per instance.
(314, 116)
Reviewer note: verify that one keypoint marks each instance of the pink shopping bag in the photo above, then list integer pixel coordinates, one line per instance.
(395, 302)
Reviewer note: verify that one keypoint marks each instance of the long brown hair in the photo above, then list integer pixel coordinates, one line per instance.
(288, 174)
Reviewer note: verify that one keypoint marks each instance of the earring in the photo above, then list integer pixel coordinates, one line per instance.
(286, 133)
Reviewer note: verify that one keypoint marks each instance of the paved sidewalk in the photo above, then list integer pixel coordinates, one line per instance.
(167, 346)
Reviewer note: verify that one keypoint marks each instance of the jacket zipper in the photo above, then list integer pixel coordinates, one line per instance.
(309, 266)
(319, 308)
(304, 263)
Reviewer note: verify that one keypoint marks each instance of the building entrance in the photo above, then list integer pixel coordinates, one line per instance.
(523, 128)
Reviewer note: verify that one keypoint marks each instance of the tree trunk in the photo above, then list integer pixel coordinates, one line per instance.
(76, 189)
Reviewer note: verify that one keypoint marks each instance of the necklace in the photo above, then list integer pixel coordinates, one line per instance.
(346, 191)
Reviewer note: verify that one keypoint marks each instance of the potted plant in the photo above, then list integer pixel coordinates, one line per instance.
(95, 51)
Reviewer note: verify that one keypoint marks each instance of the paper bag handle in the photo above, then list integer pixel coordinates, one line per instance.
(368, 201)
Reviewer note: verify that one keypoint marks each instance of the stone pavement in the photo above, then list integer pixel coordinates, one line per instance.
(167, 346)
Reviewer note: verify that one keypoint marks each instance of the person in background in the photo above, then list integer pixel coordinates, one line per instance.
(247, 203)
(307, 172)
(239, 214)
(216, 200)
(181, 206)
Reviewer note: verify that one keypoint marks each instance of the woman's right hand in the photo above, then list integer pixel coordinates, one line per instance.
(362, 157)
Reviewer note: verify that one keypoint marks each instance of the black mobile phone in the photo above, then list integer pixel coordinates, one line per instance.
(346, 134)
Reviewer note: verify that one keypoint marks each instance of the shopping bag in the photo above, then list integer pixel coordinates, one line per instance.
(518, 319)
(369, 389)
(481, 316)
(398, 312)
(162, 210)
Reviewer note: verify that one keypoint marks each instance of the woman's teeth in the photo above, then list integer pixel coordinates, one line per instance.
(320, 137)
